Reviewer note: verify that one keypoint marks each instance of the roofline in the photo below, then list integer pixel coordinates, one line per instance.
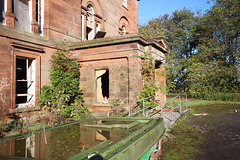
(128, 38)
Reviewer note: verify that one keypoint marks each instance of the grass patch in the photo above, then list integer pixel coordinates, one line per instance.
(198, 102)
(184, 142)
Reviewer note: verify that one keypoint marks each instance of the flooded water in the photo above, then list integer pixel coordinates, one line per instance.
(63, 142)
(220, 126)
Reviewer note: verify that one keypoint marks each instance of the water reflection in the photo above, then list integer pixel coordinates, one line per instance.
(25, 147)
(62, 143)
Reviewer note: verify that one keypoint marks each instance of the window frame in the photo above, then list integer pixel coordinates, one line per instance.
(31, 52)
(31, 81)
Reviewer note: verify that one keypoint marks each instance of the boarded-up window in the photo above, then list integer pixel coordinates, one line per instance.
(22, 15)
(102, 86)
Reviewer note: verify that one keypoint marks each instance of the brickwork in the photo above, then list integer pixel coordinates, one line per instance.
(64, 19)
(13, 46)
(5, 75)
(135, 83)
(131, 13)
(118, 82)
(112, 12)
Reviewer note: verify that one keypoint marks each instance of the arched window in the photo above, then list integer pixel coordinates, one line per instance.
(123, 26)
(92, 20)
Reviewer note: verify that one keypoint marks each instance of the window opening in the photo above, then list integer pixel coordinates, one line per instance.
(23, 12)
(124, 3)
(12, 6)
(39, 16)
(90, 23)
(37, 13)
(2, 11)
(82, 26)
(158, 64)
(123, 30)
(25, 82)
(97, 27)
(102, 86)
(25, 147)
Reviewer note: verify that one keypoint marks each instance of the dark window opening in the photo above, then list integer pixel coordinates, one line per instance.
(158, 64)
(37, 11)
(2, 11)
(25, 76)
(12, 6)
(88, 33)
(21, 85)
(105, 84)
(102, 86)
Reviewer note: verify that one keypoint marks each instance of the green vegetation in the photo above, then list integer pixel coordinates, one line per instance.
(148, 75)
(204, 59)
(63, 98)
(186, 137)
(184, 142)
(197, 102)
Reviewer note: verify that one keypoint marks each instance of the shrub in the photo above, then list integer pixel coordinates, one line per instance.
(63, 97)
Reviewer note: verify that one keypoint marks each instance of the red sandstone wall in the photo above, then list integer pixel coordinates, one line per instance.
(131, 13)
(15, 44)
(112, 11)
(5, 76)
(124, 74)
(63, 19)
(118, 82)
(160, 81)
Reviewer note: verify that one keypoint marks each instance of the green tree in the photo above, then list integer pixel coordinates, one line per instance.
(204, 58)
(182, 39)
(217, 61)
(179, 31)
(153, 29)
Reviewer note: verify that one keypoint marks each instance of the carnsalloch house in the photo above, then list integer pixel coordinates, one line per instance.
(103, 35)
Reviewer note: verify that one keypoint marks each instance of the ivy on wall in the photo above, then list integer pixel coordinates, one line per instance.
(148, 75)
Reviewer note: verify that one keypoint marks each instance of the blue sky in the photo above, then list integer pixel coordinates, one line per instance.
(150, 9)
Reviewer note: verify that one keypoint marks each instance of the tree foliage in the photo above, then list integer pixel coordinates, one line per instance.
(204, 58)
